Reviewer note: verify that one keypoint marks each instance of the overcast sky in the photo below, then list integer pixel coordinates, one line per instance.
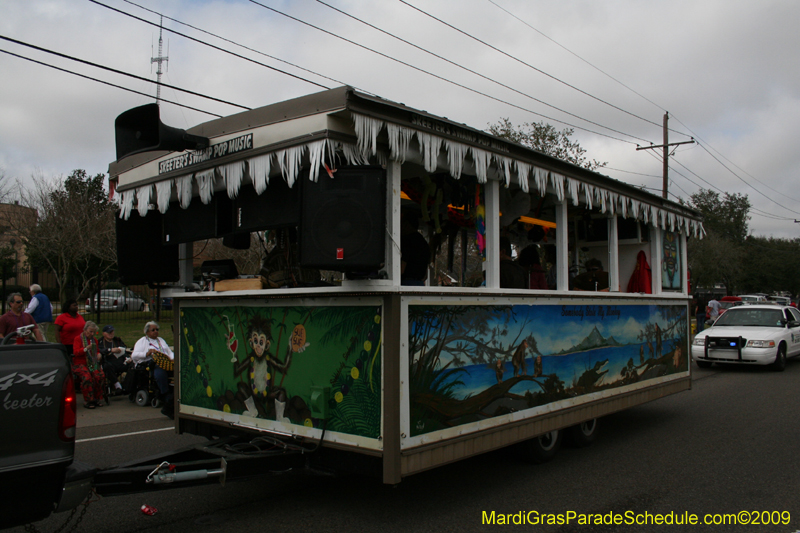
(726, 70)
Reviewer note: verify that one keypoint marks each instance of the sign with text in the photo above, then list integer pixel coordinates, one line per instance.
(215, 151)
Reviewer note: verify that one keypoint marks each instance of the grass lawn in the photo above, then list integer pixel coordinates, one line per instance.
(129, 325)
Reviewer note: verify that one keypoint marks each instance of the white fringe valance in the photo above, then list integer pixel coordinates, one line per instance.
(183, 186)
(143, 198)
(367, 129)
(163, 192)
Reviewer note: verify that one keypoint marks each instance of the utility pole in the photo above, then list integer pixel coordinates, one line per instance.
(665, 156)
(159, 59)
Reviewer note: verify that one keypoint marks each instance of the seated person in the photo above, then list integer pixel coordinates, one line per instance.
(143, 349)
(113, 351)
(512, 275)
(594, 279)
(529, 260)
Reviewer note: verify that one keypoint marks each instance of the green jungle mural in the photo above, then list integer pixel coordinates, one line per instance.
(469, 363)
(263, 362)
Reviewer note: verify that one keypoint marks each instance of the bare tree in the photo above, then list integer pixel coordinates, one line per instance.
(73, 233)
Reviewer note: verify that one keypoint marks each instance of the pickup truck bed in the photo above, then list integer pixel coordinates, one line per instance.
(37, 416)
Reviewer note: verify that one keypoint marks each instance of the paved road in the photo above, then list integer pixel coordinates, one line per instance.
(726, 446)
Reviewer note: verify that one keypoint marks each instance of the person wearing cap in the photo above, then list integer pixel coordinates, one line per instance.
(113, 351)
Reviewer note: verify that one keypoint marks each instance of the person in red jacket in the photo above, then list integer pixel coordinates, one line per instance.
(87, 365)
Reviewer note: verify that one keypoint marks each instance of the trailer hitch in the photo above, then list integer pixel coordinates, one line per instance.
(166, 473)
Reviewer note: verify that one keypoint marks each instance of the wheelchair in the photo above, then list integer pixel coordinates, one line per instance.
(141, 386)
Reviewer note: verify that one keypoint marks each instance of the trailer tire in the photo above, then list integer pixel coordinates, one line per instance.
(703, 364)
(142, 398)
(541, 449)
(583, 434)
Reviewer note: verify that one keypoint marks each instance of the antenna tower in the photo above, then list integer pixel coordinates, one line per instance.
(159, 59)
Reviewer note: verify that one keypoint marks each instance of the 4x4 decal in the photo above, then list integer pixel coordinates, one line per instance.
(45, 380)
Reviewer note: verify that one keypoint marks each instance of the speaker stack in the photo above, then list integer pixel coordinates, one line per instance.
(344, 220)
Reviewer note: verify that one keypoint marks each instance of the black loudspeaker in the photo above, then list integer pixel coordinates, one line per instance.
(344, 220)
(199, 221)
(140, 255)
(277, 207)
(237, 241)
(140, 130)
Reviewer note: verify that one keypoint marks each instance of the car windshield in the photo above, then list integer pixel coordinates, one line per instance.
(745, 316)
(110, 293)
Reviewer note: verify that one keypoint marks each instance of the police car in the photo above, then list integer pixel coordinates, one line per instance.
(763, 334)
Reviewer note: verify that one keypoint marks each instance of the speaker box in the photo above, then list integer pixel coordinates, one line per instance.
(199, 221)
(277, 207)
(344, 220)
(141, 256)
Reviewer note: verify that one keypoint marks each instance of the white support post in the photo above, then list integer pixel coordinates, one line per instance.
(563, 260)
(492, 264)
(393, 260)
(657, 255)
(613, 254)
(684, 264)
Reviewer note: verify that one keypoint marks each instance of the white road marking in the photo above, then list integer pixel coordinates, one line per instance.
(124, 434)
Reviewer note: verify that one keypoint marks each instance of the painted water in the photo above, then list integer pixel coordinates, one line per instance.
(569, 368)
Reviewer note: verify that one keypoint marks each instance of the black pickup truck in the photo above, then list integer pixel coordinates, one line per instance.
(37, 442)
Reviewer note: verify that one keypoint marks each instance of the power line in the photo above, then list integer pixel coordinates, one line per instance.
(243, 46)
(210, 45)
(744, 181)
(487, 78)
(105, 82)
(409, 65)
(581, 58)
(530, 66)
(116, 71)
(732, 163)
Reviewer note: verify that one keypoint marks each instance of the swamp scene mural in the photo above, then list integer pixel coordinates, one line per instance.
(265, 362)
(468, 363)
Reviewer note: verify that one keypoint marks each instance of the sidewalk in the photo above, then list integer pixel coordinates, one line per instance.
(120, 410)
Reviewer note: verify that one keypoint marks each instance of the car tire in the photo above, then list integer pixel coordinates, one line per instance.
(542, 448)
(780, 359)
(142, 398)
(583, 434)
(704, 364)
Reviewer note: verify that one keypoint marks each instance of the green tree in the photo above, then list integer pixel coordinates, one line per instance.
(771, 265)
(719, 256)
(545, 138)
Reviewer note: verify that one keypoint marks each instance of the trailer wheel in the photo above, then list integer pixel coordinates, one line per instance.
(542, 448)
(704, 364)
(142, 398)
(583, 434)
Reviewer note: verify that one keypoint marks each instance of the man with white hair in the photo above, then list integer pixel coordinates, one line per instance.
(40, 309)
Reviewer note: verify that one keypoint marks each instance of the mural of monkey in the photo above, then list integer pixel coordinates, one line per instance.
(537, 366)
(677, 357)
(499, 370)
(262, 366)
(518, 359)
(658, 341)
